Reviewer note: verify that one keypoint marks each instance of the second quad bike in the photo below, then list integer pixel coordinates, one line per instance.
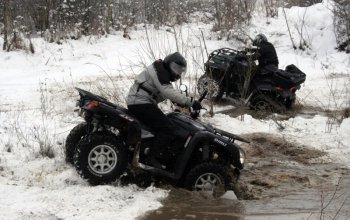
(233, 73)
(111, 142)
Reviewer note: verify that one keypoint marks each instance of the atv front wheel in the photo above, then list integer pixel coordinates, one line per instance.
(73, 138)
(208, 177)
(100, 159)
(205, 82)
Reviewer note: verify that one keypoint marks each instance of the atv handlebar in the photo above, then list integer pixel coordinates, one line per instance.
(195, 114)
(203, 96)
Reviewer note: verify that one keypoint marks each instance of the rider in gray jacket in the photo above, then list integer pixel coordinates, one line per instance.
(154, 85)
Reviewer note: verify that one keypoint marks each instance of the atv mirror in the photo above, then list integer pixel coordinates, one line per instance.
(183, 88)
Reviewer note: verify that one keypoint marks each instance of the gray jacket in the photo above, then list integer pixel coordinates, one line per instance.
(156, 92)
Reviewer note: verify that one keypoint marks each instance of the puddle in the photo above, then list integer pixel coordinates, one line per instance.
(281, 181)
(322, 203)
(183, 204)
(311, 204)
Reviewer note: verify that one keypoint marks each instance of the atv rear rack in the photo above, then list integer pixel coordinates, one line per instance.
(223, 52)
(222, 58)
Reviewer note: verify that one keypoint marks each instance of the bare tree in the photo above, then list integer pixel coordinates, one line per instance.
(57, 20)
(290, 35)
(271, 8)
(341, 21)
(7, 23)
(232, 16)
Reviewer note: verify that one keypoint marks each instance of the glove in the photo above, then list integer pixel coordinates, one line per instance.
(196, 105)
(250, 50)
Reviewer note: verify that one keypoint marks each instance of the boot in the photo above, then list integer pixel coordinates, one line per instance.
(156, 163)
(154, 159)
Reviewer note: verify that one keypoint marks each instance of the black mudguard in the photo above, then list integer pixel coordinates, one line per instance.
(205, 137)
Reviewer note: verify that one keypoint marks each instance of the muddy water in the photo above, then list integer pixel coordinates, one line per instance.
(182, 204)
(281, 181)
(302, 111)
(327, 203)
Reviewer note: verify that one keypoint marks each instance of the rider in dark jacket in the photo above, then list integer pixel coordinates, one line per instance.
(152, 86)
(265, 54)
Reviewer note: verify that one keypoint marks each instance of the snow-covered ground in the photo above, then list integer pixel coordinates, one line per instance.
(37, 101)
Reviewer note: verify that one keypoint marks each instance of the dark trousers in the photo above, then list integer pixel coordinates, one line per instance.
(270, 68)
(153, 117)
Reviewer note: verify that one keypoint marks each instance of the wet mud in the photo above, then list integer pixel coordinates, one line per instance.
(183, 204)
(276, 167)
(281, 180)
(298, 109)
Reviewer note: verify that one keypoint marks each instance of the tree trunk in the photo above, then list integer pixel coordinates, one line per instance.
(7, 20)
(110, 21)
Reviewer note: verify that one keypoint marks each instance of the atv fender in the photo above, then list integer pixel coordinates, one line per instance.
(263, 87)
(205, 137)
(230, 147)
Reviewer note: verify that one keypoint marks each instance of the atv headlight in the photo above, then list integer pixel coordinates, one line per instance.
(242, 156)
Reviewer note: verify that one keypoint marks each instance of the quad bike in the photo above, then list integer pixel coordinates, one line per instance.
(233, 73)
(112, 142)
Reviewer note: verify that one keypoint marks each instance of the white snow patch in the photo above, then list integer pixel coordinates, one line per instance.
(35, 187)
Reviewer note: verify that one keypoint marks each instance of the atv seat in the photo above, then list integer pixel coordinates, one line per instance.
(291, 76)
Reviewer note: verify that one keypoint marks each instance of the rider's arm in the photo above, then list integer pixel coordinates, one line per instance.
(251, 50)
(253, 53)
(167, 91)
(255, 56)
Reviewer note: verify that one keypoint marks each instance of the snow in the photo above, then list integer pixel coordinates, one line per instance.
(37, 101)
(75, 202)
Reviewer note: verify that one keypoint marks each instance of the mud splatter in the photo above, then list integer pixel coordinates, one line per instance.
(277, 167)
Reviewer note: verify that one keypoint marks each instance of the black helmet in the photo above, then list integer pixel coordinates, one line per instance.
(259, 39)
(176, 64)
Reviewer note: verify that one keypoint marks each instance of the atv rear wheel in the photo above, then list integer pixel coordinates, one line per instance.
(100, 159)
(289, 103)
(73, 138)
(208, 177)
(205, 82)
(264, 104)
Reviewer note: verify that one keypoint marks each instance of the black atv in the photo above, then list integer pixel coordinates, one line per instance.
(112, 142)
(233, 73)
